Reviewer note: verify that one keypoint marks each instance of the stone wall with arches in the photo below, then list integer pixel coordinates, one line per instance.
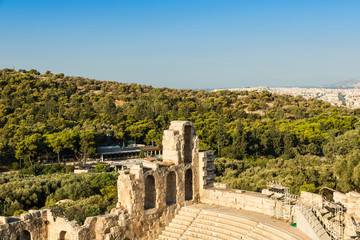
(149, 196)
(159, 189)
(29, 226)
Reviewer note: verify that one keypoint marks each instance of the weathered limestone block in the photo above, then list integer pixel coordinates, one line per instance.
(130, 186)
(350, 227)
(3, 220)
(171, 146)
(99, 226)
(340, 197)
(311, 199)
(357, 212)
(352, 202)
(180, 143)
(59, 225)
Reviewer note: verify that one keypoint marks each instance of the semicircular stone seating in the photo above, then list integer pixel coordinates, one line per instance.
(192, 222)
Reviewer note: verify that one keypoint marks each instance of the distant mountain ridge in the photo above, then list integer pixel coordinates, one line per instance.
(351, 83)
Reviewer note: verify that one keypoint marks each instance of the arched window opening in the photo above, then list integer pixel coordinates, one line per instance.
(23, 235)
(187, 145)
(64, 236)
(188, 185)
(171, 188)
(150, 192)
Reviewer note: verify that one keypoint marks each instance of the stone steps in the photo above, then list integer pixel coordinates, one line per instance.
(184, 218)
(192, 224)
(230, 223)
(232, 218)
(176, 225)
(174, 230)
(273, 233)
(169, 233)
(188, 214)
(226, 227)
(228, 234)
(202, 234)
(258, 236)
(162, 237)
(179, 224)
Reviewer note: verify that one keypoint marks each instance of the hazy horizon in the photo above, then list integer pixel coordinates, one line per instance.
(185, 44)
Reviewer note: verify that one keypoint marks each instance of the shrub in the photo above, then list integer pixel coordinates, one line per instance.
(35, 169)
(15, 166)
(100, 167)
(19, 212)
(69, 169)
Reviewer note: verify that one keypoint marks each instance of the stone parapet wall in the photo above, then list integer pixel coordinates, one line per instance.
(238, 199)
(221, 185)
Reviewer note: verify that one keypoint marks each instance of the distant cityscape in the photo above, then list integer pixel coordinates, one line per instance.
(349, 97)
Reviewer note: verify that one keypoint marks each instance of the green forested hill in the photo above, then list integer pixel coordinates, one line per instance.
(47, 115)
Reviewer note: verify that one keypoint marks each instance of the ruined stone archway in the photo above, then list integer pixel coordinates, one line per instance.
(187, 145)
(188, 185)
(171, 188)
(64, 236)
(23, 235)
(150, 192)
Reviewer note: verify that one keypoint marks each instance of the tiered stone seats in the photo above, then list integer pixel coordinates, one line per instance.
(228, 226)
(179, 224)
(196, 223)
(266, 232)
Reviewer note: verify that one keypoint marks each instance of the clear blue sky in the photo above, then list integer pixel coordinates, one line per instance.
(185, 43)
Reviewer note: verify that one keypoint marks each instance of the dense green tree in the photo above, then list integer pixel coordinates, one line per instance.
(87, 143)
(239, 145)
(221, 136)
(28, 148)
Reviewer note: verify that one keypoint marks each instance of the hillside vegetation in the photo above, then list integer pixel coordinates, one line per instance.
(86, 194)
(304, 144)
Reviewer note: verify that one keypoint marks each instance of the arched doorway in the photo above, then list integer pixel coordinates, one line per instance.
(23, 235)
(171, 188)
(188, 185)
(150, 192)
(187, 145)
(64, 236)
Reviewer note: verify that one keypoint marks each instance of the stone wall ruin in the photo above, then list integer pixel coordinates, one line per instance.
(149, 196)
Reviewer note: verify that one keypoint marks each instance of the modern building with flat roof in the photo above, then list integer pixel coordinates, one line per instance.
(115, 152)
